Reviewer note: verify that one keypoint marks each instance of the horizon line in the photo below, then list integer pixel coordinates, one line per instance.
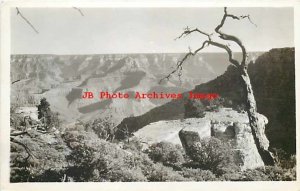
(130, 53)
(134, 53)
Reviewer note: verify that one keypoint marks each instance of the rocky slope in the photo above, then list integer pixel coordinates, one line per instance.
(273, 80)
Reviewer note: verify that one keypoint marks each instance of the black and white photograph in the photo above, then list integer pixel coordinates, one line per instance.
(149, 94)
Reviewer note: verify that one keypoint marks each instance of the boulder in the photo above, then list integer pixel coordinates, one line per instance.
(193, 133)
(245, 147)
(231, 126)
(227, 125)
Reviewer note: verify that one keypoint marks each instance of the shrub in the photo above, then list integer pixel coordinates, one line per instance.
(103, 127)
(37, 157)
(162, 173)
(127, 175)
(268, 173)
(283, 159)
(166, 153)
(194, 108)
(247, 175)
(277, 173)
(134, 145)
(94, 159)
(211, 154)
(198, 174)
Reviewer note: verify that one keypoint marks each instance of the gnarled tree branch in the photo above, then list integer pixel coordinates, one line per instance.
(179, 64)
(79, 10)
(30, 154)
(19, 133)
(26, 20)
(225, 36)
(187, 31)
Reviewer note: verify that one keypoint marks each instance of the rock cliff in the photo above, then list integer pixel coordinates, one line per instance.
(226, 124)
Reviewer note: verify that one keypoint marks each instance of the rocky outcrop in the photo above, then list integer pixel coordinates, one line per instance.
(227, 125)
(272, 77)
(191, 134)
(244, 144)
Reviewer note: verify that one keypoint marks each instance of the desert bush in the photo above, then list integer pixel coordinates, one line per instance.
(37, 157)
(103, 127)
(247, 175)
(211, 154)
(214, 104)
(161, 173)
(127, 175)
(268, 173)
(276, 173)
(194, 108)
(94, 159)
(166, 153)
(198, 174)
(16, 121)
(283, 159)
(134, 144)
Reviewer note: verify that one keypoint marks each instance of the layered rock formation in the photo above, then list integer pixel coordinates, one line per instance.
(62, 79)
(227, 125)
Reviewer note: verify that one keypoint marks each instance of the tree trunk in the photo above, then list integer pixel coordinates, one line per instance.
(256, 122)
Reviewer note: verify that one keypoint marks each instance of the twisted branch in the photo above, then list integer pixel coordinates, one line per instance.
(180, 62)
(30, 154)
(225, 36)
(206, 43)
(26, 20)
(187, 31)
(79, 10)
(19, 133)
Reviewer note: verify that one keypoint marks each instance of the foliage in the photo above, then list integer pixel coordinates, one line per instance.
(194, 108)
(37, 157)
(161, 173)
(46, 116)
(94, 159)
(214, 104)
(268, 173)
(166, 153)
(283, 159)
(276, 173)
(16, 121)
(211, 154)
(79, 155)
(134, 144)
(44, 111)
(103, 127)
(198, 174)
(247, 175)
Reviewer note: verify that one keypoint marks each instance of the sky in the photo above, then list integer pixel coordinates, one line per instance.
(144, 30)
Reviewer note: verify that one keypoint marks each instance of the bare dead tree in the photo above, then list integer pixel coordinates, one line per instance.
(26, 20)
(256, 123)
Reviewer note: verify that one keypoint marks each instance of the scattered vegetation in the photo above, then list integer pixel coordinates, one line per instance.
(212, 154)
(103, 127)
(85, 153)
